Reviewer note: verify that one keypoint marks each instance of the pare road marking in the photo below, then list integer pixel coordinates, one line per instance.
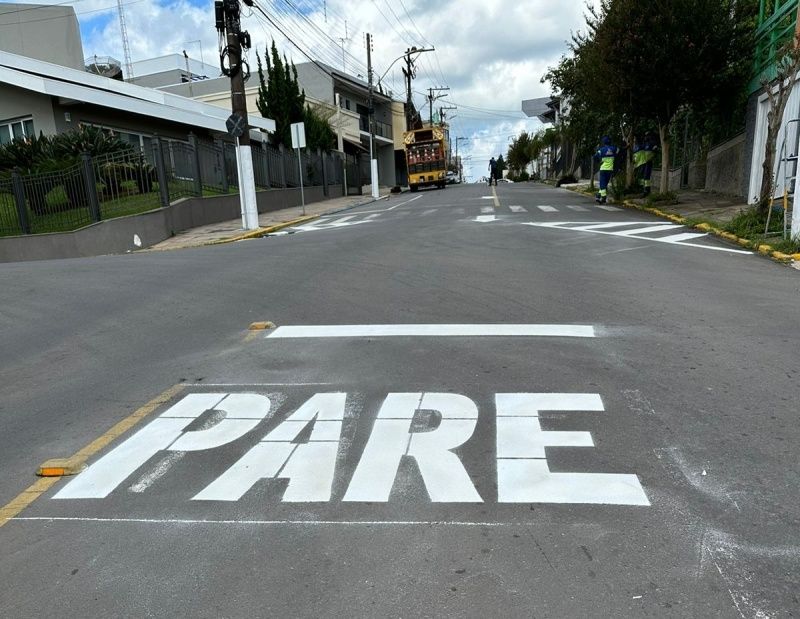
(310, 465)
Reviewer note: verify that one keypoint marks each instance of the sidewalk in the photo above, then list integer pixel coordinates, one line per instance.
(694, 204)
(228, 231)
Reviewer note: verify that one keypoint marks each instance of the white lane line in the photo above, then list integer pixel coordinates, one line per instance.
(487, 197)
(577, 208)
(547, 209)
(487, 209)
(402, 203)
(482, 219)
(686, 236)
(371, 217)
(608, 208)
(348, 523)
(432, 330)
(655, 228)
(429, 211)
(517, 209)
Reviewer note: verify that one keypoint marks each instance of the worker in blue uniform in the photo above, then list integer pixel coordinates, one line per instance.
(606, 155)
(644, 152)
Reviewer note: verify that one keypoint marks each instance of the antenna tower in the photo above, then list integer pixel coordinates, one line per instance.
(126, 48)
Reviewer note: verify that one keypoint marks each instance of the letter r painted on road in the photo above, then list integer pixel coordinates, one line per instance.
(242, 413)
(445, 477)
(523, 475)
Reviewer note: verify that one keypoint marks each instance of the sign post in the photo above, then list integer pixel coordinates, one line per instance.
(298, 142)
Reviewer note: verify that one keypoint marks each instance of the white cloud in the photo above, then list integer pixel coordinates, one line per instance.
(491, 54)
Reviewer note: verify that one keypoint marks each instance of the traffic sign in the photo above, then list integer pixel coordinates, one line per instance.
(298, 135)
(236, 125)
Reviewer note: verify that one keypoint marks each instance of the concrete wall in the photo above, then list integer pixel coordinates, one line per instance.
(49, 33)
(16, 103)
(115, 236)
(674, 179)
(725, 167)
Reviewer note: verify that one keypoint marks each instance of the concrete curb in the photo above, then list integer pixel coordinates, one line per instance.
(763, 249)
(255, 234)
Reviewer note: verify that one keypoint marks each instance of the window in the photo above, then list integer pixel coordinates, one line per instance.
(20, 128)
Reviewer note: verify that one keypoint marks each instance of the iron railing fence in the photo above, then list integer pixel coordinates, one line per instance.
(58, 201)
(9, 218)
(126, 183)
(132, 182)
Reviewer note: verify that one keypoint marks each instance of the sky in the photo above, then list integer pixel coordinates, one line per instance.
(490, 55)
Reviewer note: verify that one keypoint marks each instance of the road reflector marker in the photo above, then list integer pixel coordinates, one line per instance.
(61, 467)
(261, 326)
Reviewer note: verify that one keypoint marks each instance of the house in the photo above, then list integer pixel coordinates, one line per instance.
(344, 95)
(51, 91)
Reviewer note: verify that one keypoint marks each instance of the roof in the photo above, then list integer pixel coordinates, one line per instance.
(544, 108)
(57, 81)
(349, 79)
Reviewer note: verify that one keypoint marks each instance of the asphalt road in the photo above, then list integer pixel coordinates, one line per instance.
(544, 409)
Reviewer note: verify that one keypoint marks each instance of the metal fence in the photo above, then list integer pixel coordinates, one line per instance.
(135, 182)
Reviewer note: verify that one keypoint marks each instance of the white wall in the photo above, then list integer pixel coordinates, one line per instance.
(791, 112)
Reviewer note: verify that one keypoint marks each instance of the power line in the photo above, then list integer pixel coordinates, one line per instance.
(108, 8)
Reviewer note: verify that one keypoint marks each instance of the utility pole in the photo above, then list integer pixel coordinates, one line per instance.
(371, 113)
(410, 72)
(432, 98)
(227, 14)
(343, 40)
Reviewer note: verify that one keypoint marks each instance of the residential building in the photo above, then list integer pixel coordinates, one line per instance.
(51, 91)
(344, 95)
(777, 25)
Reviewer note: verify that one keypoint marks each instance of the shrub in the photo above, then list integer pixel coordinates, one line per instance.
(567, 179)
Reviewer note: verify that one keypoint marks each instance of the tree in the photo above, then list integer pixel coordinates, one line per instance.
(519, 152)
(279, 95)
(788, 68)
(319, 134)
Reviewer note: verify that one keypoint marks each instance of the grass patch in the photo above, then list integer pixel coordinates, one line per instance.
(662, 199)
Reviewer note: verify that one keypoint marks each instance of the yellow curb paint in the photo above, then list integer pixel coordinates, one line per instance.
(780, 256)
(264, 231)
(40, 486)
(703, 226)
(25, 498)
(795, 257)
(764, 250)
(742, 242)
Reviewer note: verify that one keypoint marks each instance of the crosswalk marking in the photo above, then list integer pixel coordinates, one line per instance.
(625, 231)
(685, 236)
(577, 208)
(487, 209)
(371, 217)
(656, 228)
(608, 208)
(517, 209)
(547, 209)
(342, 220)
(429, 211)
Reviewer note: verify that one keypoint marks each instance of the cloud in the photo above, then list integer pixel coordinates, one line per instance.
(492, 55)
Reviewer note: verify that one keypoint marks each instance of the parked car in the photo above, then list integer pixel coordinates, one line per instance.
(504, 180)
(452, 178)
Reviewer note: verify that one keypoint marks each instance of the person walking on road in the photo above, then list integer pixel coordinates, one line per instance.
(492, 171)
(643, 154)
(606, 154)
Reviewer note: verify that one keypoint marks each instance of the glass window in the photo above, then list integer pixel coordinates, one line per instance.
(28, 127)
(5, 134)
(16, 129)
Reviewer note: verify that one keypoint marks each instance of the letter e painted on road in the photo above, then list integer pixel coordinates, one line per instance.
(445, 477)
(242, 413)
(523, 475)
